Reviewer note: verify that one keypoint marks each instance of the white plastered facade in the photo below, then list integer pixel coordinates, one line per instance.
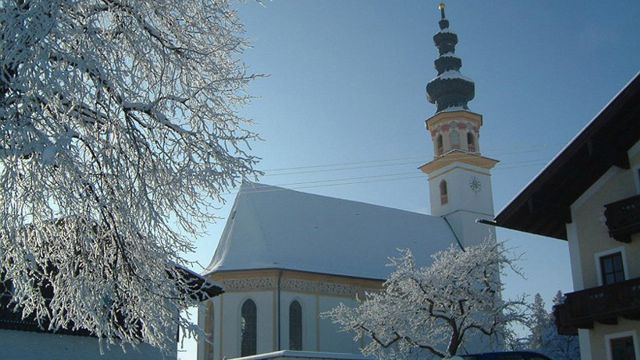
(589, 240)
(29, 345)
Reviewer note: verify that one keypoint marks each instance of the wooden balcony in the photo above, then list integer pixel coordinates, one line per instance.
(623, 218)
(603, 304)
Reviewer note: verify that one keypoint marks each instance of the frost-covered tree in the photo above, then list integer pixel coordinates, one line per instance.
(544, 336)
(538, 323)
(434, 309)
(118, 132)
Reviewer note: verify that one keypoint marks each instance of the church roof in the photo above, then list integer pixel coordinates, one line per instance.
(275, 228)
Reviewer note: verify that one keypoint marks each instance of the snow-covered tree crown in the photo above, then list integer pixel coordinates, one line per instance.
(436, 308)
(118, 128)
(544, 337)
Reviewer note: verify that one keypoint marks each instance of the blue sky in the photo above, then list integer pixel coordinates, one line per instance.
(342, 111)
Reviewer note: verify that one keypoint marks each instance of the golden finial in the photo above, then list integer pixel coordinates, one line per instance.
(441, 8)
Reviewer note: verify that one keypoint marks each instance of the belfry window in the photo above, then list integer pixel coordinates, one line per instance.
(295, 326)
(444, 197)
(454, 139)
(439, 145)
(471, 142)
(248, 328)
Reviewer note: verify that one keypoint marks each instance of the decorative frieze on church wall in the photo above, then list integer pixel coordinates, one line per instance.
(327, 288)
(249, 284)
(294, 285)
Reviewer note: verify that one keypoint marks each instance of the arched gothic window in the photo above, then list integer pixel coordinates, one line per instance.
(439, 145)
(454, 139)
(295, 326)
(471, 142)
(248, 326)
(444, 197)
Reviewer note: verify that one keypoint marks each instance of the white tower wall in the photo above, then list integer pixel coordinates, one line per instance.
(469, 197)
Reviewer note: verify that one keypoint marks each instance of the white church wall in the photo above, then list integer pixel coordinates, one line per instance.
(316, 294)
(202, 314)
(229, 311)
(331, 339)
(27, 345)
(467, 230)
(309, 303)
(217, 327)
(318, 334)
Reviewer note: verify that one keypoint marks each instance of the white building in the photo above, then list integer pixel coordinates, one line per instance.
(285, 257)
(26, 339)
(589, 195)
(37, 345)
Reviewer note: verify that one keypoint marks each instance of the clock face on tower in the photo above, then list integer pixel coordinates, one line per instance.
(474, 184)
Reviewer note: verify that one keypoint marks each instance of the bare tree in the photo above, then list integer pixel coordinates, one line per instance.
(434, 309)
(118, 132)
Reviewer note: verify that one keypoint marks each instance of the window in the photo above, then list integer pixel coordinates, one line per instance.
(622, 348)
(248, 328)
(295, 326)
(471, 142)
(454, 139)
(440, 145)
(611, 268)
(444, 197)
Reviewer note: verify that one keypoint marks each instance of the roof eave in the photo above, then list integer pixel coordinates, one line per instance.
(543, 206)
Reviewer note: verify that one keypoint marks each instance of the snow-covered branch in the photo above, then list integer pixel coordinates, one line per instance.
(435, 308)
(119, 133)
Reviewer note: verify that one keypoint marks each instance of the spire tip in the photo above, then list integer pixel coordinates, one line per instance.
(441, 8)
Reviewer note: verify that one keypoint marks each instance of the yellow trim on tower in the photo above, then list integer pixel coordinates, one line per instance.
(458, 156)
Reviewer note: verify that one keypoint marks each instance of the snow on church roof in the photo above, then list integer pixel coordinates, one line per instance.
(276, 228)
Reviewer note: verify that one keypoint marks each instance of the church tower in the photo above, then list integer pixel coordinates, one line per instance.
(459, 176)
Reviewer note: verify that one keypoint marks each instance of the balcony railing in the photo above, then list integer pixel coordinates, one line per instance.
(603, 304)
(623, 218)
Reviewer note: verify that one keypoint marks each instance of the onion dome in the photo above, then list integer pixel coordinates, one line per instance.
(449, 90)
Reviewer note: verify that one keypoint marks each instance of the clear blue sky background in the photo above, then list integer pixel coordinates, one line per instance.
(342, 112)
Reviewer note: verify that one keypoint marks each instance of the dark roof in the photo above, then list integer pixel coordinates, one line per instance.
(543, 206)
(199, 287)
(11, 319)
